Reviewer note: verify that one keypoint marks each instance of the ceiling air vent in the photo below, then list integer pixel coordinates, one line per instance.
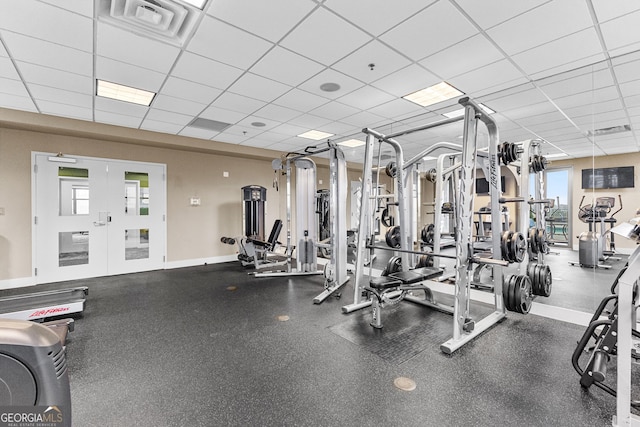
(160, 19)
(208, 124)
(609, 131)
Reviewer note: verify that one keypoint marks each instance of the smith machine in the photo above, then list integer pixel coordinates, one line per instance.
(396, 285)
(335, 271)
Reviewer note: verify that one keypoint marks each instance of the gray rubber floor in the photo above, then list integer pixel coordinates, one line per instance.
(205, 346)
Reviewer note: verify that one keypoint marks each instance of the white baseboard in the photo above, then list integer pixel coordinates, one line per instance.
(200, 261)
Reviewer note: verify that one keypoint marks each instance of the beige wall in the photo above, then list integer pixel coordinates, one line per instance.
(193, 233)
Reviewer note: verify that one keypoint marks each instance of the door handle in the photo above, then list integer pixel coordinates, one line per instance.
(103, 218)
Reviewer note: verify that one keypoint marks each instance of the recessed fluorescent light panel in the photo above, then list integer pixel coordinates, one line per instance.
(427, 158)
(460, 112)
(124, 93)
(352, 143)
(197, 3)
(556, 155)
(316, 135)
(434, 94)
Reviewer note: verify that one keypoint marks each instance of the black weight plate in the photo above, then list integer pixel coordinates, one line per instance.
(548, 280)
(394, 265)
(391, 169)
(503, 245)
(532, 241)
(514, 152)
(526, 297)
(516, 297)
(392, 237)
(520, 244)
(513, 287)
(506, 293)
(540, 239)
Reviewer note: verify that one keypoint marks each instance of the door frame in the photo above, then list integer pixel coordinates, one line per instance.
(70, 162)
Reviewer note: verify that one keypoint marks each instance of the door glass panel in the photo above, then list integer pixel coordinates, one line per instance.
(73, 248)
(136, 196)
(136, 244)
(73, 191)
(557, 219)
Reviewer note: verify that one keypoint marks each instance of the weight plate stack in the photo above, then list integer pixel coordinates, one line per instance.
(392, 237)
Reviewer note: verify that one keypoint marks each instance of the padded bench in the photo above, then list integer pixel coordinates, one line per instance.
(402, 281)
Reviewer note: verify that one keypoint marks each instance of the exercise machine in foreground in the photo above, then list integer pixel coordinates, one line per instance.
(33, 373)
(612, 337)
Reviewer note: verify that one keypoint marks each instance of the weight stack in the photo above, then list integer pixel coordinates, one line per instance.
(33, 373)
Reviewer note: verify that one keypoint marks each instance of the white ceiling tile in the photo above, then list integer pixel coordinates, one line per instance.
(630, 48)
(140, 51)
(632, 101)
(230, 138)
(12, 87)
(385, 61)
(8, 70)
(128, 75)
(363, 119)
(277, 113)
(222, 115)
(596, 111)
(606, 9)
(185, 89)
(334, 111)
(398, 107)
(376, 16)
(525, 97)
(46, 22)
(212, 37)
(269, 138)
(578, 84)
(44, 76)
(238, 103)
(120, 107)
(495, 74)
(65, 110)
(324, 37)
(248, 124)
(630, 88)
(198, 133)
(491, 12)
(621, 31)
(627, 71)
(541, 25)
(620, 149)
(297, 70)
(347, 84)
(437, 27)
(48, 54)
(469, 54)
(289, 129)
(82, 7)
(309, 121)
(117, 119)
(47, 93)
(257, 87)
(340, 129)
(286, 147)
(528, 110)
(406, 81)
(265, 19)
(366, 97)
(168, 117)
(163, 127)
(587, 98)
(177, 105)
(568, 66)
(554, 117)
(300, 100)
(561, 51)
(205, 71)
(3, 51)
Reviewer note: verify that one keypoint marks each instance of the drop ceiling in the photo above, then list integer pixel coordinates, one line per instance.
(556, 70)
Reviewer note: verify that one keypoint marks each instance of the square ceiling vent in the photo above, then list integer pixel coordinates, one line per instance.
(160, 19)
(208, 124)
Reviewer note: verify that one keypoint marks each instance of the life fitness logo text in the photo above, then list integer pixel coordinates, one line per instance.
(49, 312)
(50, 416)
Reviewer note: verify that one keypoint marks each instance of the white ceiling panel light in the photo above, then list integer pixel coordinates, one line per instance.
(316, 135)
(433, 94)
(124, 93)
(352, 143)
(460, 112)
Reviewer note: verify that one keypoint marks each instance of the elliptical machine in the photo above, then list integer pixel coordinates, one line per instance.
(592, 244)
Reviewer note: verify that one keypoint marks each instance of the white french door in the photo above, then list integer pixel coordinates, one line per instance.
(96, 217)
